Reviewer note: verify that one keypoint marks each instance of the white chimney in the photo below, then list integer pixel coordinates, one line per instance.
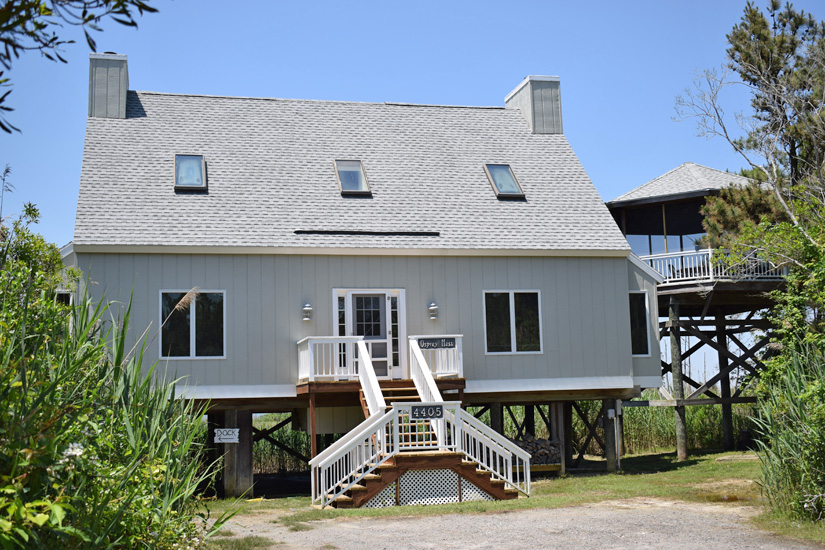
(539, 100)
(108, 82)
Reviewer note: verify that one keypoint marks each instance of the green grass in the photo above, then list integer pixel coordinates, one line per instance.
(702, 478)
(246, 543)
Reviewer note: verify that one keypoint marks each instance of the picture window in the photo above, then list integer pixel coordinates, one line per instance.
(512, 321)
(194, 330)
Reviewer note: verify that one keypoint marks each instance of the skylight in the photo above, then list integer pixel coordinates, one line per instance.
(351, 177)
(190, 172)
(503, 181)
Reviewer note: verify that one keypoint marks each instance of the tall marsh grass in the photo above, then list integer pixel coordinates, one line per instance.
(791, 424)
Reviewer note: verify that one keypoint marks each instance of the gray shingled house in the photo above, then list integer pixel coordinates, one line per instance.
(352, 255)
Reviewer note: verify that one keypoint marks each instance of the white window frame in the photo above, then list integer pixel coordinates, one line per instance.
(512, 294)
(647, 324)
(192, 326)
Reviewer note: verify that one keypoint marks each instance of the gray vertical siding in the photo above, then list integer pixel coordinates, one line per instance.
(584, 306)
(647, 366)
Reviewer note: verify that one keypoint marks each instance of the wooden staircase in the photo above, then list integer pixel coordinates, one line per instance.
(394, 391)
(393, 470)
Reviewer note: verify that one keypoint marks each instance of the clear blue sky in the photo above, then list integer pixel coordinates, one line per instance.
(621, 65)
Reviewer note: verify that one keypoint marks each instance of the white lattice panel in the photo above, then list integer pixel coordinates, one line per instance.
(427, 487)
(470, 492)
(383, 499)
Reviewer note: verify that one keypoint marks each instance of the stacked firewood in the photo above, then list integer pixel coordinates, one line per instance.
(543, 451)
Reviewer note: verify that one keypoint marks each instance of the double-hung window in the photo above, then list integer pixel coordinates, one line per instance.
(512, 321)
(192, 324)
(639, 341)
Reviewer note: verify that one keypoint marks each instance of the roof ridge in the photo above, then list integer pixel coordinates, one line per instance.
(654, 180)
(337, 101)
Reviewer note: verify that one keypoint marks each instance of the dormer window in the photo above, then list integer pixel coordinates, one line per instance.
(190, 172)
(503, 181)
(351, 178)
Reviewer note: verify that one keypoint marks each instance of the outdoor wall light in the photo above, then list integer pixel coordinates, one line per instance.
(433, 310)
(307, 312)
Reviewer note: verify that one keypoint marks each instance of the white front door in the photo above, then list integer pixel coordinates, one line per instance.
(377, 315)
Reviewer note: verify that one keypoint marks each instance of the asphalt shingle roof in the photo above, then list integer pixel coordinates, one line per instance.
(270, 174)
(687, 178)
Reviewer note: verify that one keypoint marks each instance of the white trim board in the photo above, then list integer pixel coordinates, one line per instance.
(344, 251)
(237, 392)
(551, 384)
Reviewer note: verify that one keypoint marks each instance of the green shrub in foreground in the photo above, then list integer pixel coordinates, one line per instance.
(791, 423)
(93, 453)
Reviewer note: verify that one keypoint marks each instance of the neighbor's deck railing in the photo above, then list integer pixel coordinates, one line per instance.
(380, 437)
(443, 361)
(328, 358)
(706, 266)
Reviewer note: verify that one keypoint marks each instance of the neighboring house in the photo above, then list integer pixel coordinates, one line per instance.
(328, 236)
(714, 301)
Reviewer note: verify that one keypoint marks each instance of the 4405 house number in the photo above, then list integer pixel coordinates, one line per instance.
(426, 412)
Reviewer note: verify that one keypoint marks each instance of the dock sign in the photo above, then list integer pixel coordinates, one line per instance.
(436, 343)
(226, 435)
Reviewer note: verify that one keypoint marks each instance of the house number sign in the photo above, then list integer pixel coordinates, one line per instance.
(436, 343)
(427, 412)
(226, 435)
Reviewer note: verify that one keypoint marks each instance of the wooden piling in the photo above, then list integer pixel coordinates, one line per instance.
(676, 369)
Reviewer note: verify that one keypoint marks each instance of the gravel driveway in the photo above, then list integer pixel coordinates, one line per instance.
(633, 524)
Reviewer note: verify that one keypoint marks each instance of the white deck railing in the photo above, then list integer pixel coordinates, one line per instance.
(706, 266)
(380, 437)
(328, 358)
(443, 361)
(369, 381)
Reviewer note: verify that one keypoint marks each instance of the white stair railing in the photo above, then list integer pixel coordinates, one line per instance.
(348, 460)
(493, 452)
(369, 381)
(443, 426)
(421, 375)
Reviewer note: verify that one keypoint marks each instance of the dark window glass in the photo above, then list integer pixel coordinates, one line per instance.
(638, 324)
(528, 334)
(209, 324)
(497, 311)
(174, 335)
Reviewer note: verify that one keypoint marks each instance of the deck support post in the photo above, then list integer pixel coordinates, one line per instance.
(567, 432)
(530, 420)
(497, 417)
(609, 423)
(676, 370)
(237, 461)
(556, 412)
(214, 420)
(313, 430)
(724, 382)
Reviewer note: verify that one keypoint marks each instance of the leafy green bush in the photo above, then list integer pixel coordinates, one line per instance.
(791, 423)
(93, 452)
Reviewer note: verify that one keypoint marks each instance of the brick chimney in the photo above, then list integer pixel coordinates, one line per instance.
(108, 82)
(539, 100)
